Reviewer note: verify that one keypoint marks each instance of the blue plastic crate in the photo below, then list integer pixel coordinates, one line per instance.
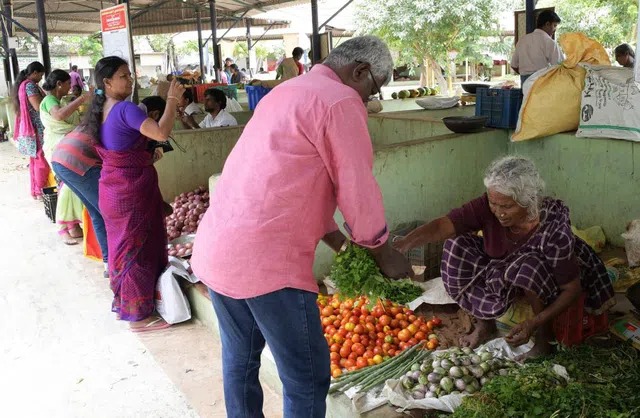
(502, 106)
(255, 94)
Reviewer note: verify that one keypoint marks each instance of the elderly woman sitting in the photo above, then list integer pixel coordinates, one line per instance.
(526, 250)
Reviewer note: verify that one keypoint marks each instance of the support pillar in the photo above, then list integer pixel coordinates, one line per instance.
(12, 63)
(44, 37)
(315, 36)
(200, 52)
(530, 15)
(217, 62)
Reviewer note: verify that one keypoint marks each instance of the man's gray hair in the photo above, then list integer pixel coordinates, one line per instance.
(369, 49)
(518, 178)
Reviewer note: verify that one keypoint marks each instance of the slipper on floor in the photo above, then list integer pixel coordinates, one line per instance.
(154, 325)
(70, 241)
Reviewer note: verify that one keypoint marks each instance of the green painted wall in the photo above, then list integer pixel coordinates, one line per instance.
(595, 177)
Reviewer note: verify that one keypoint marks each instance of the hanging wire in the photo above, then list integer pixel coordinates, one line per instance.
(177, 145)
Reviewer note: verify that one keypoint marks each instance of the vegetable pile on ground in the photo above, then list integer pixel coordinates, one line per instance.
(356, 273)
(453, 372)
(188, 210)
(603, 382)
(369, 378)
(359, 337)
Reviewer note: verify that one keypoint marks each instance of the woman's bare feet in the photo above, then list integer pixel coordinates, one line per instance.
(76, 231)
(539, 349)
(151, 323)
(68, 239)
(483, 331)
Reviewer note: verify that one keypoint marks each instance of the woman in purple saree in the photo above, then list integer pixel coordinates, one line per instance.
(526, 250)
(129, 196)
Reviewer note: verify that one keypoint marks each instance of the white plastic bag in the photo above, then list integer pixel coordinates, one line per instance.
(233, 105)
(171, 303)
(632, 243)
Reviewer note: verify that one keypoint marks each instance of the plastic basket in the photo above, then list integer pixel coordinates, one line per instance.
(575, 325)
(501, 106)
(230, 91)
(50, 199)
(429, 255)
(255, 94)
(199, 89)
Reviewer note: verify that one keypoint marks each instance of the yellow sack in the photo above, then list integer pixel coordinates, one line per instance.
(552, 104)
(594, 237)
(518, 312)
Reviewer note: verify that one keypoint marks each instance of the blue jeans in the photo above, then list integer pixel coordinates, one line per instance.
(86, 188)
(523, 78)
(289, 322)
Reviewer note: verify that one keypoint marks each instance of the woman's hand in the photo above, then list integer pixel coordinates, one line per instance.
(521, 333)
(176, 90)
(392, 263)
(435, 231)
(157, 154)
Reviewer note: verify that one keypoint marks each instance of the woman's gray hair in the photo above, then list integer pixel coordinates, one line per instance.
(369, 49)
(518, 178)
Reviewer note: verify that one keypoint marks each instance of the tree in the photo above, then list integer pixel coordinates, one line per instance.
(240, 50)
(159, 43)
(608, 22)
(424, 31)
(188, 47)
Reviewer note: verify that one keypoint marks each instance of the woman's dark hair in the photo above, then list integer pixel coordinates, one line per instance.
(624, 49)
(218, 96)
(188, 94)
(154, 103)
(52, 79)
(105, 68)
(547, 16)
(34, 67)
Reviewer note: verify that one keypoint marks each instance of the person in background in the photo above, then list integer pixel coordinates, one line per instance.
(291, 67)
(299, 157)
(237, 76)
(222, 76)
(76, 78)
(28, 129)
(538, 49)
(129, 196)
(215, 103)
(625, 55)
(527, 251)
(58, 120)
(227, 68)
(186, 105)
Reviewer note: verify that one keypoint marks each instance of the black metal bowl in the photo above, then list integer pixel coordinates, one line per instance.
(465, 124)
(471, 87)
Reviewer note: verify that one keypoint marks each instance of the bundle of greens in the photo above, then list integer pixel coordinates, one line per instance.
(355, 273)
(604, 382)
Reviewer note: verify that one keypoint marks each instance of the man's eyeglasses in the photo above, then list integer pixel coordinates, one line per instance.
(375, 84)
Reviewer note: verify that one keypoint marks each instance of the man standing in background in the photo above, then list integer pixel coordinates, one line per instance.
(538, 49)
(76, 78)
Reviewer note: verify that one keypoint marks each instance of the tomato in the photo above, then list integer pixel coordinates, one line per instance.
(368, 354)
(344, 351)
(349, 363)
(349, 326)
(377, 312)
(342, 362)
(353, 356)
(356, 338)
(395, 310)
(430, 325)
(326, 322)
(431, 345)
(335, 347)
(348, 342)
(364, 310)
(385, 320)
(412, 329)
(420, 336)
(349, 335)
(377, 359)
(411, 318)
(342, 332)
(386, 328)
(334, 356)
(336, 373)
(371, 362)
(358, 349)
(354, 319)
(404, 335)
(338, 339)
(404, 324)
(388, 339)
(402, 346)
(361, 362)
(436, 321)
(327, 311)
(400, 316)
(377, 350)
(337, 323)
(395, 323)
(424, 328)
(358, 329)
(391, 352)
(412, 342)
(364, 341)
(335, 304)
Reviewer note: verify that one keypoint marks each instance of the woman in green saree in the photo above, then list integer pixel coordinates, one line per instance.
(59, 120)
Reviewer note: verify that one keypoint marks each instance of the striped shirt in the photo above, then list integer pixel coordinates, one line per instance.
(76, 151)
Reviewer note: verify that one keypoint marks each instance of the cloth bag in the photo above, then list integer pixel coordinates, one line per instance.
(171, 302)
(552, 96)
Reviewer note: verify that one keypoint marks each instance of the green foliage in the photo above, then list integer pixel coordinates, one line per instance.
(77, 45)
(356, 273)
(188, 47)
(604, 382)
(160, 43)
(240, 50)
(429, 29)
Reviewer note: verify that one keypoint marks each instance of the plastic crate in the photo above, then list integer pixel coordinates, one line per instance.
(255, 94)
(50, 199)
(230, 90)
(429, 255)
(199, 89)
(574, 325)
(502, 106)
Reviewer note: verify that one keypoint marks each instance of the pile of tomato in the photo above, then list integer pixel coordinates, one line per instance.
(360, 336)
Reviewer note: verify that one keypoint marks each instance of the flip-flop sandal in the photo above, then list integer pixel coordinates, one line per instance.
(152, 326)
(70, 241)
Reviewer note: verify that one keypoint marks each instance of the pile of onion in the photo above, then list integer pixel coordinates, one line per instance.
(180, 250)
(188, 210)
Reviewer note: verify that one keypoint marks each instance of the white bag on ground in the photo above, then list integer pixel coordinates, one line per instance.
(233, 105)
(171, 303)
(632, 243)
(610, 105)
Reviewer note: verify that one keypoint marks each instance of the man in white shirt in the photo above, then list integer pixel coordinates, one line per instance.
(215, 102)
(538, 49)
(186, 104)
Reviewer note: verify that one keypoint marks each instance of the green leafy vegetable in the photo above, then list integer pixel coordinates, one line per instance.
(356, 273)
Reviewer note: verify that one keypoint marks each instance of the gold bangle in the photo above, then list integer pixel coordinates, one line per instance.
(172, 97)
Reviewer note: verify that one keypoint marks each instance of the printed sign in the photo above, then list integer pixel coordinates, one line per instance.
(114, 18)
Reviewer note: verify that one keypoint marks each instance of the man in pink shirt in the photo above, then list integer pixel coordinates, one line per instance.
(305, 151)
(76, 78)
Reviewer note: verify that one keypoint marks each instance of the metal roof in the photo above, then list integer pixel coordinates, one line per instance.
(147, 16)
